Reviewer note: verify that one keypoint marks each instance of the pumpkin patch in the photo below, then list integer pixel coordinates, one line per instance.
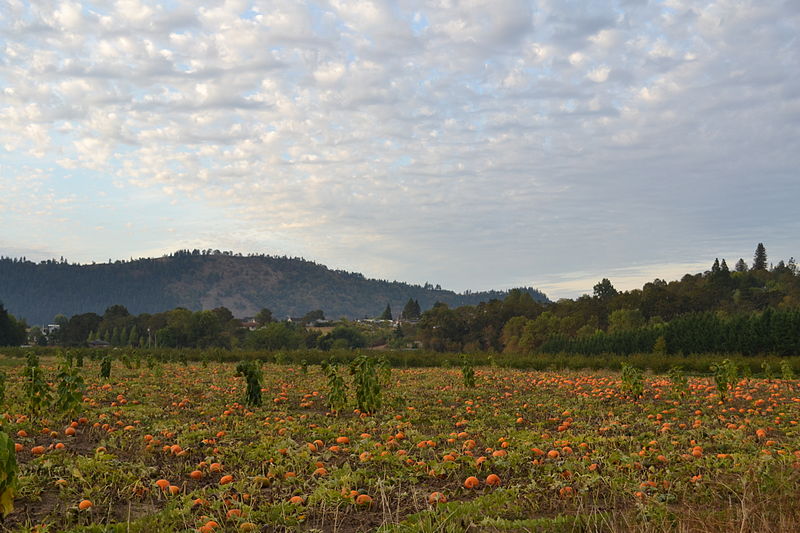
(571, 450)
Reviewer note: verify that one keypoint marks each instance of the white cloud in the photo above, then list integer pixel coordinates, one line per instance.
(577, 59)
(69, 16)
(599, 74)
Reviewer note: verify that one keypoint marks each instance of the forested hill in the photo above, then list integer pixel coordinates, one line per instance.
(204, 280)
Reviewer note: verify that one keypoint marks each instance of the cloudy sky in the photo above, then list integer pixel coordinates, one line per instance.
(476, 144)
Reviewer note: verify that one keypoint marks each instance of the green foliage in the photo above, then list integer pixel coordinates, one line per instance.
(726, 374)
(69, 389)
(105, 367)
(760, 258)
(8, 474)
(366, 384)
(384, 370)
(660, 347)
(680, 384)
(3, 379)
(312, 316)
(411, 311)
(342, 337)
(787, 373)
(746, 312)
(604, 290)
(133, 336)
(37, 390)
(387, 313)
(467, 373)
(264, 317)
(769, 370)
(632, 380)
(337, 389)
(252, 374)
(12, 331)
(274, 336)
(751, 333)
(625, 320)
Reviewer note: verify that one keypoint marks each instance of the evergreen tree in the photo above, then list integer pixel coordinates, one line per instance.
(715, 268)
(741, 266)
(387, 313)
(760, 258)
(723, 266)
(411, 311)
(133, 336)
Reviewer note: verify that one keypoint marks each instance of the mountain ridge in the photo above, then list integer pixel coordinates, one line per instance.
(207, 279)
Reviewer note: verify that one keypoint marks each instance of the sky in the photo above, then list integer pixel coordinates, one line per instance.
(474, 144)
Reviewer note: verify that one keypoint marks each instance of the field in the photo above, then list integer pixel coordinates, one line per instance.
(173, 447)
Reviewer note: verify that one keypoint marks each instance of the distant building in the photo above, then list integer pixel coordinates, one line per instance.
(49, 329)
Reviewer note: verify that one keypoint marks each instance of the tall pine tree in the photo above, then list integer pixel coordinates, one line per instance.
(411, 311)
(760, 258)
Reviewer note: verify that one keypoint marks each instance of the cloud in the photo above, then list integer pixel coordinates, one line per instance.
(464, 142)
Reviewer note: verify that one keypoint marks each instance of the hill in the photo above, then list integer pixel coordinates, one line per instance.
(200, 280)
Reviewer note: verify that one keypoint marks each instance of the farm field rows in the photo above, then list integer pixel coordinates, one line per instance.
(174, 448)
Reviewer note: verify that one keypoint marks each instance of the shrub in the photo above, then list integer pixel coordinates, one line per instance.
(337, 389)
(365, 381)
(105, 367)
(468, 373)
(36, 388)
(725, 376)
(632, 381)
(8, 474)
(70, 388)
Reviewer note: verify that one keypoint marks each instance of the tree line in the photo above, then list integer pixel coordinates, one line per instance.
(746, 310)
(215, 328)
